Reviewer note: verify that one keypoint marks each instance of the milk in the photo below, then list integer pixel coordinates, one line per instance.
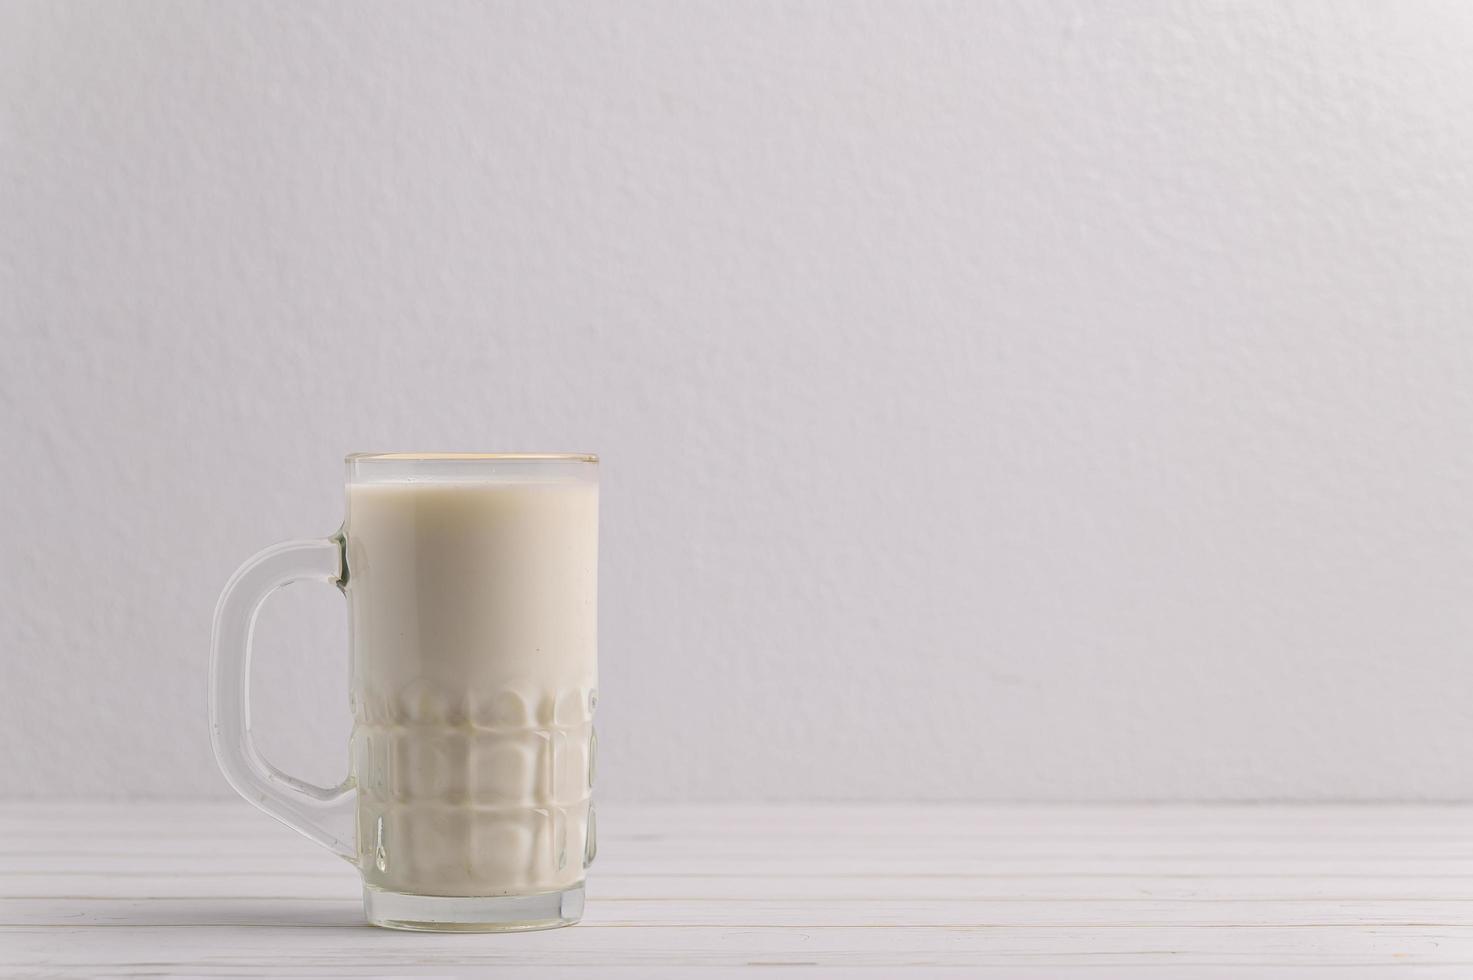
(473, 618)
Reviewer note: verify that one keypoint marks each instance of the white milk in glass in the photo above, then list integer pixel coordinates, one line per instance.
(473, 611)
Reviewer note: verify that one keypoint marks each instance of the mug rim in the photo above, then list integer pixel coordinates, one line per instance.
(471, 457)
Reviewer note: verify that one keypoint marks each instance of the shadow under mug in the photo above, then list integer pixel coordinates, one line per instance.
(472, 589)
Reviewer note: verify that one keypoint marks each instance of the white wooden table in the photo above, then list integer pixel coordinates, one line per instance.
(218, 889)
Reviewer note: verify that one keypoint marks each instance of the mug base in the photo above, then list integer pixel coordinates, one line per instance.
(502, 913)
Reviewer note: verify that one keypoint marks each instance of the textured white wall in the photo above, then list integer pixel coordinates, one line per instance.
(1014, 400)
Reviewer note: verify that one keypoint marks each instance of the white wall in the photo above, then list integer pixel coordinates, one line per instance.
(998, 400)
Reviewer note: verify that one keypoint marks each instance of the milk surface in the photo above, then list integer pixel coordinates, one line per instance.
(473, 617)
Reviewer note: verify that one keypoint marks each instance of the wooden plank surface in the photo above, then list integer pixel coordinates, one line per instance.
(218, 889)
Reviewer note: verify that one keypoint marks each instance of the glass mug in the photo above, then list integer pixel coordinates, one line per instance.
(472, 588)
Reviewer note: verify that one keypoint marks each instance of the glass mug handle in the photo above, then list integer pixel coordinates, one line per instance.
(318, 812)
